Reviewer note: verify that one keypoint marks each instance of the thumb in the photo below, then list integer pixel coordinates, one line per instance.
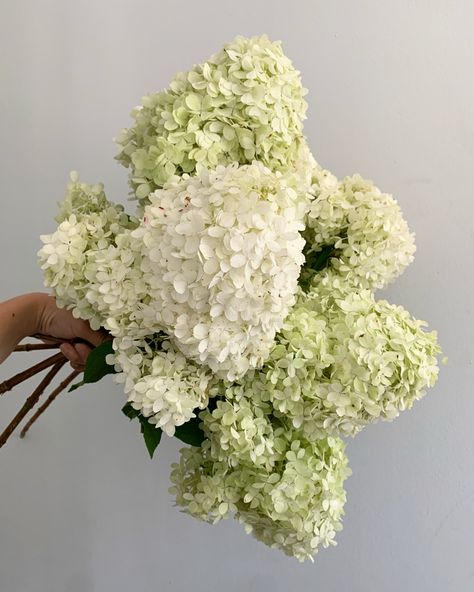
(85, 332)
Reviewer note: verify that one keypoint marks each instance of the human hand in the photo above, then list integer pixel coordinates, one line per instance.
(61, 324)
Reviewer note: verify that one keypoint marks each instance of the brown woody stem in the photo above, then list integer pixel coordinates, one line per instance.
(69, 378)
(8, 384)
(56, 339)
(31, 400)
(35, 346)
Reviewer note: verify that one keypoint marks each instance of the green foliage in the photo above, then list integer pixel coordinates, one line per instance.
(96, 366)
(315, 260)
(151, 434)
(189, 433)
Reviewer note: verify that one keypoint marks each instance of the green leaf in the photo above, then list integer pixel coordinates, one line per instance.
(76, 386)
(96, 366)
(129, 411)
(151, 434)
(190, 432)
(319, 260)
(315, 261)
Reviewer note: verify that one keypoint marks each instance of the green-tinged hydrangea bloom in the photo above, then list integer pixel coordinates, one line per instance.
(242, 430)
(371, 241)
(244, 103)
(296, 506)
(88, 224)
(343, 360)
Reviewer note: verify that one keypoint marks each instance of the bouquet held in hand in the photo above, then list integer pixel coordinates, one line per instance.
(240, 296)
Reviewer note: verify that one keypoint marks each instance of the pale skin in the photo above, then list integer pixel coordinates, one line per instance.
(37, 312)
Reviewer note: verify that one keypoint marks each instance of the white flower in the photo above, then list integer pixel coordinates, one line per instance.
(221, 255)
(88, 224)
(159, 381)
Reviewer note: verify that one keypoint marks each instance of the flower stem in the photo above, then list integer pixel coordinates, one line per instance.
(48, 338)
(31, 400)
(69, 378)
(56, 339)
(10, 383)
(35, 346)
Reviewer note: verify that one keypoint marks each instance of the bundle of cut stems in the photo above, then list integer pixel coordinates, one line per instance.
(53, 363)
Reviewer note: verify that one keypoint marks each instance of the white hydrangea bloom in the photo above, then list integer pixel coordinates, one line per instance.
(245, 103)
(117, 288)
(371, 239)
(88, 224)
(159, 381)
(221, 256)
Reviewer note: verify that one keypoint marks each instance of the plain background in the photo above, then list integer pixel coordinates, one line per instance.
(391, 96)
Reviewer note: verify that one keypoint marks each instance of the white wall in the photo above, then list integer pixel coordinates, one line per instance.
(391, 86)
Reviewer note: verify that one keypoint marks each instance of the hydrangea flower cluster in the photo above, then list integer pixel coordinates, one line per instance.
(371, 241)
(221, 256)
(159, 381)
(88, 224)
(343, 360)
(245, 103)
(241, 296)
(293, 503)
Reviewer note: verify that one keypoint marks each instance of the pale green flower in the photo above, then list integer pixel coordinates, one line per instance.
(242, 430)
(343, 360)
(371, 241)
(295, 505)
(245, 103)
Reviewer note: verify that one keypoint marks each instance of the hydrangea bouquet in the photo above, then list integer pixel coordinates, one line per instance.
(240, 297)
